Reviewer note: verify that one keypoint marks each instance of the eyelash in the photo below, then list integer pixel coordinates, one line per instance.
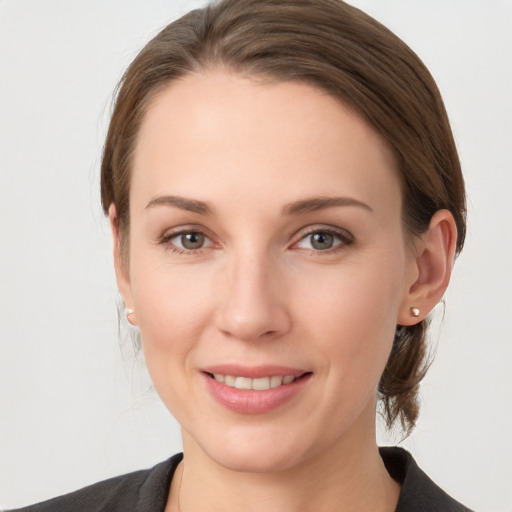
(165, 240)
(343, 236)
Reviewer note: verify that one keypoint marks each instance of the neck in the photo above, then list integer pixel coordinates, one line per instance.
(350, 476)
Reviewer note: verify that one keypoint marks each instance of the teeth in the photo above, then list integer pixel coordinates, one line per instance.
(243, 383)
(276, 381)
(260, 384)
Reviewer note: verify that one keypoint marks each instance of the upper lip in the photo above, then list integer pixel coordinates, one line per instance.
(254, 372)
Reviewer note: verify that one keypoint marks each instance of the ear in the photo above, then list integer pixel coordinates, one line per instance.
(120, 265)
(431, 268)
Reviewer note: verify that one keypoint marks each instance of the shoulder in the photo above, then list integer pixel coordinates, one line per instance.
(419, 493)
(140, 491)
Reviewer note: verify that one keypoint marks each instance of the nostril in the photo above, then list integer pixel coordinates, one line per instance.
(246, 320)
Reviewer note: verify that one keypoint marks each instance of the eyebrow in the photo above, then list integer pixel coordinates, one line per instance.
(320, 203)
(296, 208)
(191, 205)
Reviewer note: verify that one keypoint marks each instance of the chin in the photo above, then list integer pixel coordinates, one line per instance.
(258, 450)
(255, 461)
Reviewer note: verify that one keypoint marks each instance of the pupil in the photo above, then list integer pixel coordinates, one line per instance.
(192, 240)
(322, 241)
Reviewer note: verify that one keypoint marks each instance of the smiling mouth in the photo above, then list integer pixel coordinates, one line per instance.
(257, 384)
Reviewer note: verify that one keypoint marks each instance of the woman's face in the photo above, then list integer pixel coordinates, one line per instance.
(266, 244)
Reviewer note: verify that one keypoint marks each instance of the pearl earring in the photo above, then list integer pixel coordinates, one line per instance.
(415, 312)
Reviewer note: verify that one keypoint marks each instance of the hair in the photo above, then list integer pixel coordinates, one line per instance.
(343, 51)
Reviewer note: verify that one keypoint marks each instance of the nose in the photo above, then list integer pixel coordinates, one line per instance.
(251, 301)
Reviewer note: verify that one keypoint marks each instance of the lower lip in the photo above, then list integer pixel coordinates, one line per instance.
(248, 401)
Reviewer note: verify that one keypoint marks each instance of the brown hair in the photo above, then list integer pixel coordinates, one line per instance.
(336, 47)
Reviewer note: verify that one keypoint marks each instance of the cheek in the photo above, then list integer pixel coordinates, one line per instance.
(172, 306)
(352, 315)
(170, 310)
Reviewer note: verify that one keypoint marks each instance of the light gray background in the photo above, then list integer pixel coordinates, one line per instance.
(74, 407)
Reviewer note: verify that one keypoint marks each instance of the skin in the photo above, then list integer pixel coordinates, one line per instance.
(258, 293)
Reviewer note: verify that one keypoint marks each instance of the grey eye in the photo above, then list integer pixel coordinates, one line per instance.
(191, 241)
(321, 241)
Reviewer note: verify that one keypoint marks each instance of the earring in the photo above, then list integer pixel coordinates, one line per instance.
(127, 313)
(415, 312)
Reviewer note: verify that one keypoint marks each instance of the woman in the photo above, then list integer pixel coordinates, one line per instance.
(286, 204)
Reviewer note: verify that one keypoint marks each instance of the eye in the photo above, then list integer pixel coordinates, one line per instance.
(188, 241)
(323, 240)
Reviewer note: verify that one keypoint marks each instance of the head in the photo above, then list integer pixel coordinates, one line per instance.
(348, 58)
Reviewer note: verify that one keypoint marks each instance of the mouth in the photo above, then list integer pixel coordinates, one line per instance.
(255, 390)
(256, 384)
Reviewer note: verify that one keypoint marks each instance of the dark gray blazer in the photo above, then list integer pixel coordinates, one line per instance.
(147, 491)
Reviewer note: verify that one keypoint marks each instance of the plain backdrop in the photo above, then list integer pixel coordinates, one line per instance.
(75, 403)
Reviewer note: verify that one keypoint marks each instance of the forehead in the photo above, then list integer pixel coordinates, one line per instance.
(220, 128)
